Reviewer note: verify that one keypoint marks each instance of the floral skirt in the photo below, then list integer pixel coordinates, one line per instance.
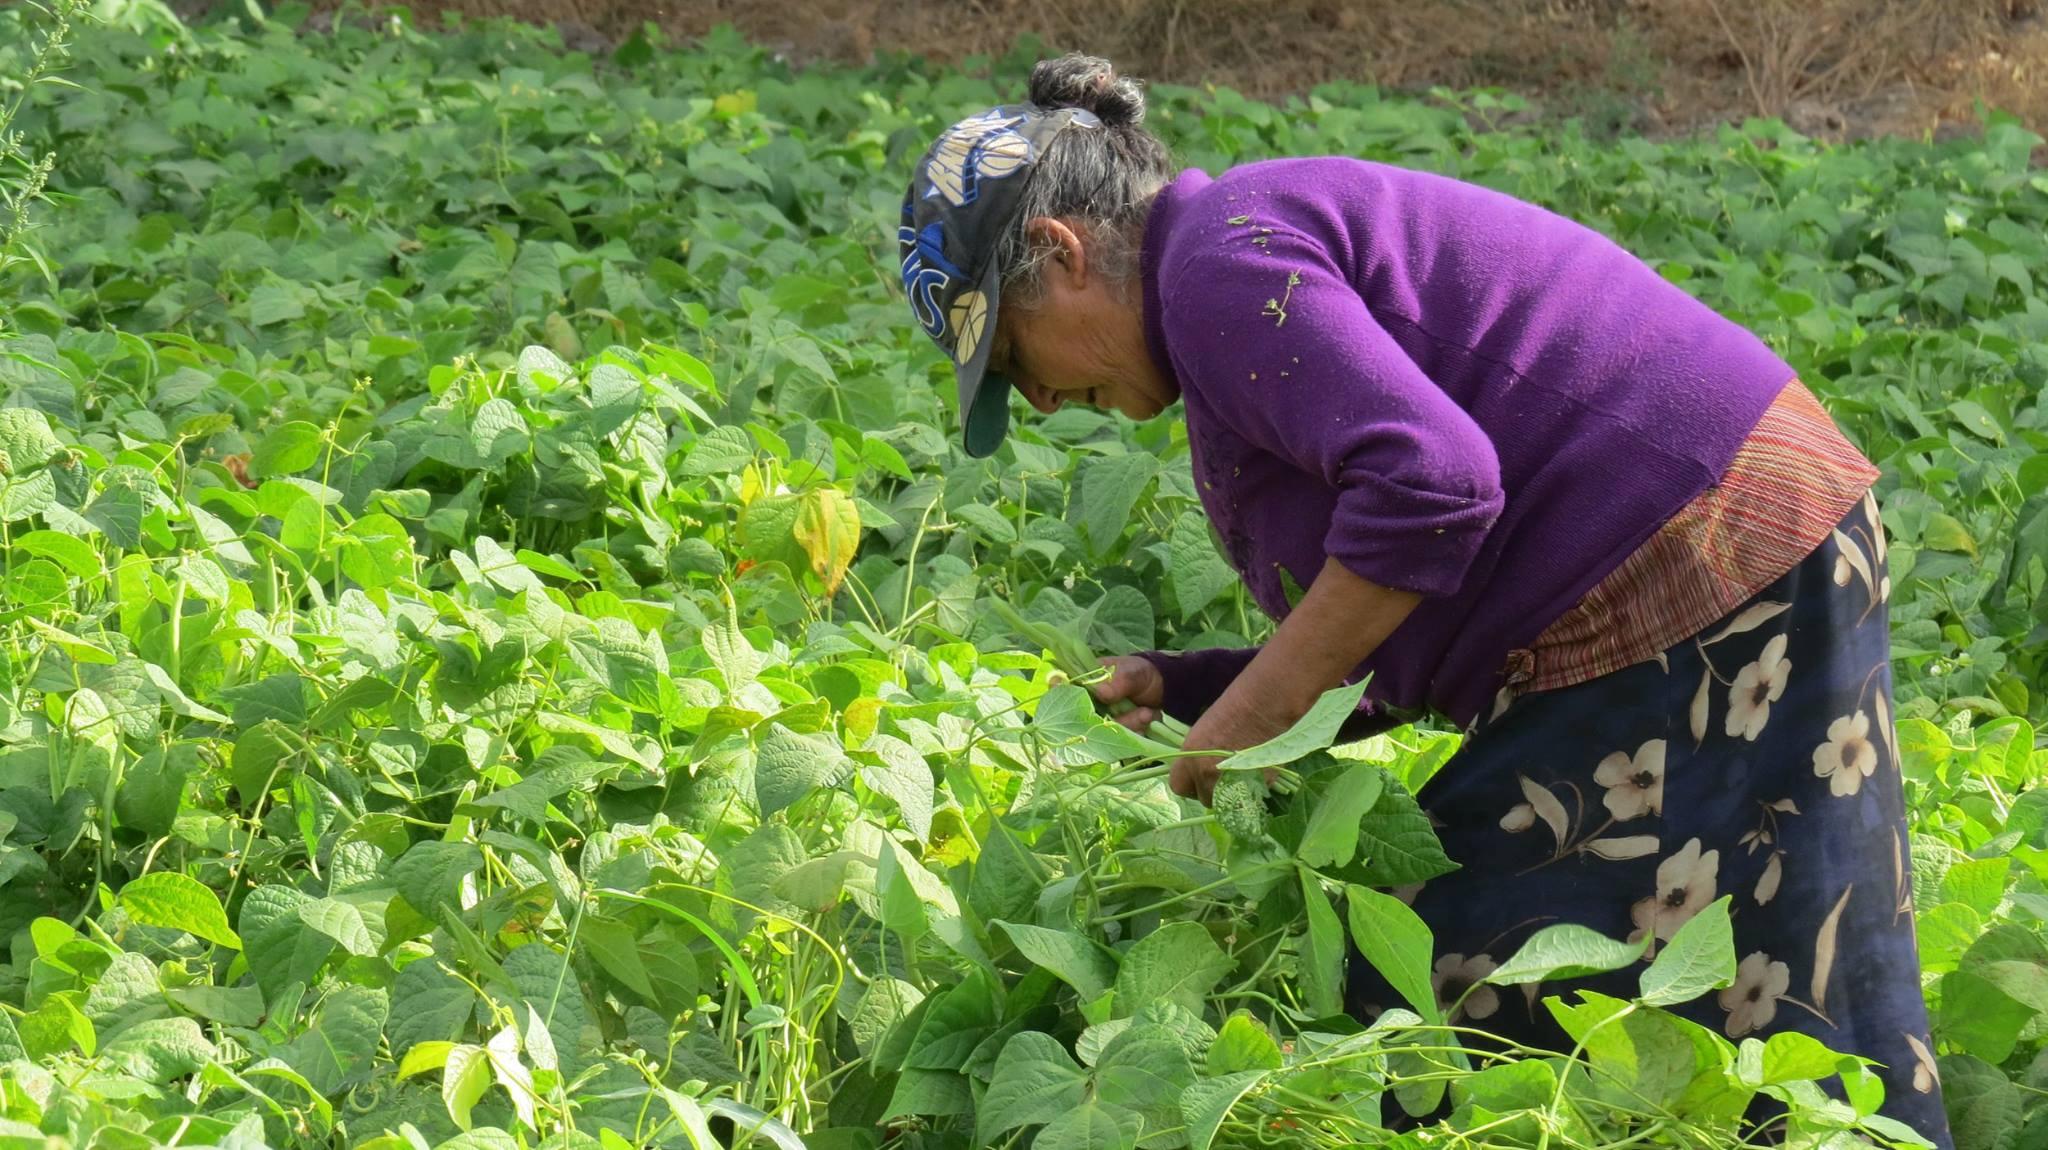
(1755, 760)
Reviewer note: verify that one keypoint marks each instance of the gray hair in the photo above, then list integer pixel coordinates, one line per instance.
(1100, 182)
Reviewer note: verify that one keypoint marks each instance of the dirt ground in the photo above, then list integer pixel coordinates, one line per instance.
(1832, 68)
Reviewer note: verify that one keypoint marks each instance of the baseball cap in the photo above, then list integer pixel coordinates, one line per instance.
(965, 193)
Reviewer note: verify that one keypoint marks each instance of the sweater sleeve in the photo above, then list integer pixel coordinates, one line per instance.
(1194, 680)
(1274, 340)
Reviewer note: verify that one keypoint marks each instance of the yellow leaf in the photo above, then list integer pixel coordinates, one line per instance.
(828, 529)
(1946, 533)
(425, 1056)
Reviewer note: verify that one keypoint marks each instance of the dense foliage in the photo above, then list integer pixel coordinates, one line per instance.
(498, 646)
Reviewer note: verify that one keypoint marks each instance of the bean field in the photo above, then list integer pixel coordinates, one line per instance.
(499, 646)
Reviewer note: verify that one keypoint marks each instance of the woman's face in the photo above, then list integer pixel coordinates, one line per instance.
(1081, 342)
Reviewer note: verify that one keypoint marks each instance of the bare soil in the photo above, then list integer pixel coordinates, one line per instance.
(1831, 68)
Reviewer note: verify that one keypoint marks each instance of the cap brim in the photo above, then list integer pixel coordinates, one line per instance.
(984, 397)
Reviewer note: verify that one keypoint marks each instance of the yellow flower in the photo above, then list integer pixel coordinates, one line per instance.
(1752, 1001)
(1685, 885)
(1848, 757)
(1756, 687)
(1635, 787)
(1454, 975)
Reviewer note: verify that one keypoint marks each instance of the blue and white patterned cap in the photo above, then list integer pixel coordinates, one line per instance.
(965, 192)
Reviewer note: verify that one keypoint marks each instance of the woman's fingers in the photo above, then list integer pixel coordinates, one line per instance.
(1193, 778)
(1139, 719)
(1133, 678)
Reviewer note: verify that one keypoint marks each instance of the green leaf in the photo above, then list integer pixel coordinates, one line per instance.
(282, 949)
(179, 902)
(1977, 883)
(954, 1023)
(498, 432)
(464, 1078)
(1006, 878)
(26, 441)
(1332, 835)
(340, 1047)
(1205, 1105)
(1644, 1057)
(729, 651)
(152, 790)
(1980, 1017)
(429, 874)
(887, 1002)
(1314, 732)
(204, 578)
(159, 1050)
(529, 797)
(492, 1138)
(274, 303)
(721, 451)
(1110, 489)
(987, 522)
(1524, 1085)
(1197, 573)
(56, 1027)
(1035, 1081)
(932, 1092)
(1396, 942)
(230, 1006)
(429, 1002)
(1563, 951)
(1700, 957)
(1078, 962)
(904, 778)
(789, 766)
(1177, 963)
(1143, 1070)
(287, 450)
(340, 921)
(1399, 846)
(1242, 1044)
(1322, 958)
(1093, 1126)
(549, 986)
(74, 554)
(178, 700)
(1790, 1056)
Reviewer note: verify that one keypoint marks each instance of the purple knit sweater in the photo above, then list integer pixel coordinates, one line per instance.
(1447, 390)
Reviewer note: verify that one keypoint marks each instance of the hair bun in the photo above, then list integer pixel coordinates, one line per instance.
(1090, 83)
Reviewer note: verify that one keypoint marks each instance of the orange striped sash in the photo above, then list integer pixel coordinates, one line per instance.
(1791, 482)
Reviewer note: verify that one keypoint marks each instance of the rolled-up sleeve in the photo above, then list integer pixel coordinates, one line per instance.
(1273, 340)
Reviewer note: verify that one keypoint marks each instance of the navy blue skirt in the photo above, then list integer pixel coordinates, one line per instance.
(1755, 760)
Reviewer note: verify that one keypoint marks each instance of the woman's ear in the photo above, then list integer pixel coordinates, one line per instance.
(1069, 250)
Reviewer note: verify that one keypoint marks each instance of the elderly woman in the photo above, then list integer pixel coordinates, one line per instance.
(1527, 485)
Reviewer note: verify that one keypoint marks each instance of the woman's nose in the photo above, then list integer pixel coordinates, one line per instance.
(1045, 399)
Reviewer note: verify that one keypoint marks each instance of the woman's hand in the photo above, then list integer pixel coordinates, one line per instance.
(1221, 728)
(1134, 680)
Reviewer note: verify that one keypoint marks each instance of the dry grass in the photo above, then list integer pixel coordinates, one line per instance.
(1834, 67)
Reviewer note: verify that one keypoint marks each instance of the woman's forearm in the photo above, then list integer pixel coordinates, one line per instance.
(1339, 623)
